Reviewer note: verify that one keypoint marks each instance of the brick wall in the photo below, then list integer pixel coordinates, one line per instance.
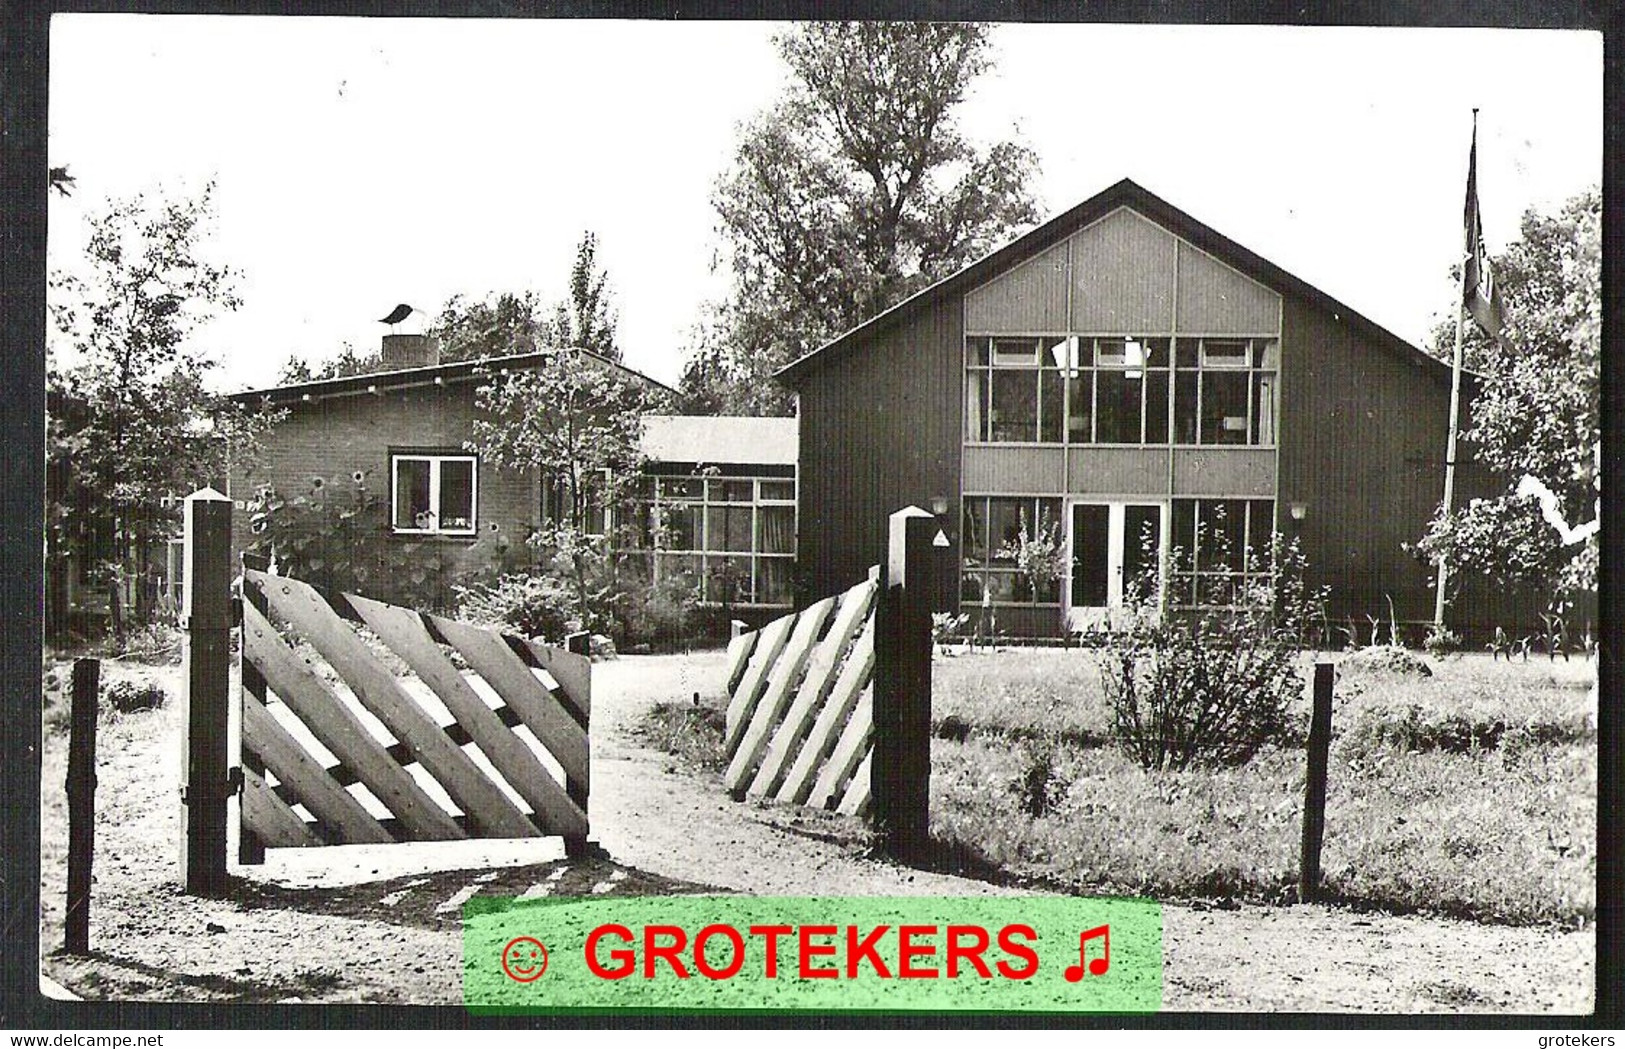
(335, 438)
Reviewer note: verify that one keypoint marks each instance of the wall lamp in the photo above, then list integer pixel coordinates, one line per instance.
(1299, 511)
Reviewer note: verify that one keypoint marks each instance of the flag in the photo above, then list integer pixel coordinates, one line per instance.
(1479, 291)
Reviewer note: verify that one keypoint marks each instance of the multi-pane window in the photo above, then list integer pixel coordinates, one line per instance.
(1224, 390)
(432, 494)
(1221, 546)
(993, 528)
(734, 536)
(1120, 390)
(558, 503)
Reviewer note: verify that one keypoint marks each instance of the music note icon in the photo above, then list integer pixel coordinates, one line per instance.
(1098, 966)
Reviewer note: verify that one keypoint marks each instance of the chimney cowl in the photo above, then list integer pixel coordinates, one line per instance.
(409, 351)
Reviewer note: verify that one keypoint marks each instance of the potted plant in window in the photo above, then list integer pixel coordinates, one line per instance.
(1040, 555)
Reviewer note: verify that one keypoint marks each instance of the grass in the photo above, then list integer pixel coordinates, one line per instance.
(691, 733)
(1471, 793)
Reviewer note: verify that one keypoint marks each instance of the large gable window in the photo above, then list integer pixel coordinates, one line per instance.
(432, 493)
(1120, 390)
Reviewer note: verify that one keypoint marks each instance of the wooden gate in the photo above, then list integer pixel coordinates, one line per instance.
(801, 710)
(361, 724)
(831, 706)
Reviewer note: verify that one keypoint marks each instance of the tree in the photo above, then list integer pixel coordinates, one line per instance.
(585, 319)
(853, 192)
(348, 362)
(497, 326)
(577, 423)
(1537, 413)
(500, 325)
(133, 425)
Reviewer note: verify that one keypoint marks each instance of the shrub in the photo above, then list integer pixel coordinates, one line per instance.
(1385, 659)
(663, 614)
(155, 644)
(690, 733)
(126, 697)
(535, 605)
(1442, 641)
(1209, 686)
(342, 541)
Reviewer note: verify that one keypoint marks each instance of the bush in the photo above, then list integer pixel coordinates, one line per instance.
(690, 733)
(126, 697)
(1441, 642)
(1209, 686)
(1384, 659)
(155, 644)
(664, 614)
(535, 605)
(342, 541)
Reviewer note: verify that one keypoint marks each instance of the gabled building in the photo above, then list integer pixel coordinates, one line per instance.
(725, 488)
(1134, 380)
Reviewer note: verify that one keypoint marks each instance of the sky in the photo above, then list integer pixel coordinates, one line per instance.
(361, 163)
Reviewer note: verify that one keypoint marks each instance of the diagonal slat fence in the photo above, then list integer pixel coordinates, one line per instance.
(799, 723)
(498, 783)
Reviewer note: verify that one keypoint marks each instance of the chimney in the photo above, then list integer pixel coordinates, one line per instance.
(410, 351)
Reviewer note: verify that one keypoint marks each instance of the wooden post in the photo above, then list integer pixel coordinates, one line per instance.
(900, 774)
(1314, 791)
(207, 610)
(81, 790)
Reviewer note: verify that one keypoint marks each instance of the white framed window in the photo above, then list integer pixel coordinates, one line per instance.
(433, 493)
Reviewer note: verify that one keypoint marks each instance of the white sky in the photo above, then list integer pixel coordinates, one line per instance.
(361, 163)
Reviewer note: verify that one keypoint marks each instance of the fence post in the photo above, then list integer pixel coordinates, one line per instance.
(1314, 791)
(207, 613)
(900, 774)
(81, 790)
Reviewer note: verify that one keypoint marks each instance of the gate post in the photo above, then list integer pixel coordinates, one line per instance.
(81, 790)
(1314, 788)
(207, 614)
(900, 773)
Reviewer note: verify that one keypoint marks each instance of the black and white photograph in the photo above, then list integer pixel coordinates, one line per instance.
(495, 466)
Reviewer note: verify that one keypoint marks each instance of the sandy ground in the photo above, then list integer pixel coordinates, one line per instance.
(382, 924)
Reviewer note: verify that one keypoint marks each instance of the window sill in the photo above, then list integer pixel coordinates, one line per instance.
(1138, 447)
(977, 604)
(441, 537)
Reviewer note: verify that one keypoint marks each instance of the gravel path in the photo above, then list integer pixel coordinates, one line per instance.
(373, 926)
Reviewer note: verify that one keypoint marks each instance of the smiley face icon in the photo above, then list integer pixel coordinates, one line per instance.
(524, 959)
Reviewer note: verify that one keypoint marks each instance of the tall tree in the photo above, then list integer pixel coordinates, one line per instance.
(132, 421)
(1537, 414)
(855, 190)
(585, 318)
(577, 423)
(496, 326)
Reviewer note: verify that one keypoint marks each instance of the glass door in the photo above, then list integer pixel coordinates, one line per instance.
(1111, 543)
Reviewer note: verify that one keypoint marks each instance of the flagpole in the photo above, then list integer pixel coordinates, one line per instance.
(1450, 442)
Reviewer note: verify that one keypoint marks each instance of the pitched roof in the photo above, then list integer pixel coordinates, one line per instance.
(1125, 193)
(427, 375)
(719, 439)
